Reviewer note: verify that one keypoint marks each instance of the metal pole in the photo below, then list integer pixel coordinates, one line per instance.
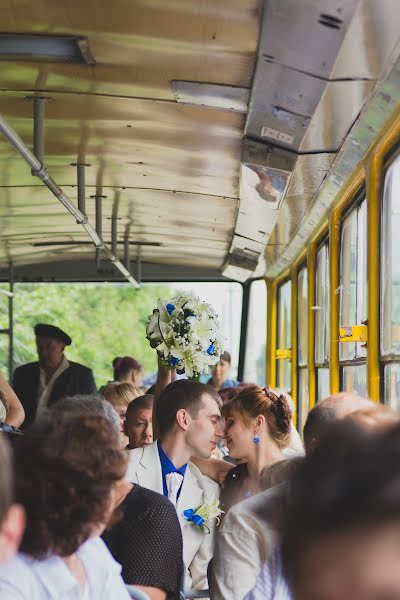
(243, 328)
(139, 269)
(99, 224)
(126, 251)
(38, 128)
(81, 179)
(114, 235)
(41, 172)
(11, 325)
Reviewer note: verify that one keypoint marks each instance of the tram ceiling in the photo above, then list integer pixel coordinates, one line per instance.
(174, 166)
(186, 183)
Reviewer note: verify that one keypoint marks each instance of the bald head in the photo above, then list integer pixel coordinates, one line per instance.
(329, 410)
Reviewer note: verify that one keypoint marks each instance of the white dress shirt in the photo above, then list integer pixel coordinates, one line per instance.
(24, 578)
(45, 389)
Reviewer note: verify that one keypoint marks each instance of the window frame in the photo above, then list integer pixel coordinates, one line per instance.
(279, 360)
(391, 358)
(353, 205)
(323, 241)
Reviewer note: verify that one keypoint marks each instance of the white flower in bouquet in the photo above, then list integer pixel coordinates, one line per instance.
(185, 331)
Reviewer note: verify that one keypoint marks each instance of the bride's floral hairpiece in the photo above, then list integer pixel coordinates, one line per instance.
(207, 511)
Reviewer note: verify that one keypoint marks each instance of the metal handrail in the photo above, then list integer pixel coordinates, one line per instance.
(40, 171)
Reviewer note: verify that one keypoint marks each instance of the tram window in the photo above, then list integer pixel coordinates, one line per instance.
(353, 277)
(303, 398)
(302, 317)
(322, 306)
(302, 343)
(392, 385)
(354, 379)
(254, 366)
(284, 369)
(323, 385)
(390, 266)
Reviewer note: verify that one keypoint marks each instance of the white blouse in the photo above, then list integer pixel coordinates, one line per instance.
(24, 578)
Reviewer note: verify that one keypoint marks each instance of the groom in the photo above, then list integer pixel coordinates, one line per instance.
(188, 415)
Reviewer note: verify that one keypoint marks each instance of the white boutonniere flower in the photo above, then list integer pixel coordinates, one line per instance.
(206, 512)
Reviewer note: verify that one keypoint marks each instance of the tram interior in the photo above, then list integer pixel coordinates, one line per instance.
(243, 150)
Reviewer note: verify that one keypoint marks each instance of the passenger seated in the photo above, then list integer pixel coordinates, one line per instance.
(138, 424)
(271, 583)
(341, 535)
(11, 410)
(128, 370)
(120, 396)
(249, 533)
(188, 415)
(12, 516)
(69, 478)
(147, 542)
(220, 374)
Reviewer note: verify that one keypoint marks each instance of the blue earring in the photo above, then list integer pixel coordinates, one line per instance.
(256, 439)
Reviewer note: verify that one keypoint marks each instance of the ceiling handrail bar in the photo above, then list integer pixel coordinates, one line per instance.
(40, 171)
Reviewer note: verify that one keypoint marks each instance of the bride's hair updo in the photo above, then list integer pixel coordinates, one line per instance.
(253, 401)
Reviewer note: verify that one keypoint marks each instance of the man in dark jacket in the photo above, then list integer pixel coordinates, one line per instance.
(41, 384)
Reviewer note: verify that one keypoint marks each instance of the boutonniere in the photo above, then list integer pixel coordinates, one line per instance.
(205, 512)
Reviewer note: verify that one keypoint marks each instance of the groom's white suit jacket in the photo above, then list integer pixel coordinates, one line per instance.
(144, 468)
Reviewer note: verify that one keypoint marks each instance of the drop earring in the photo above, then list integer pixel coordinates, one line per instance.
(256, 439)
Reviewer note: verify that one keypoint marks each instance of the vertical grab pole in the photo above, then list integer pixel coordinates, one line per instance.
(38, 128)
(99, 223)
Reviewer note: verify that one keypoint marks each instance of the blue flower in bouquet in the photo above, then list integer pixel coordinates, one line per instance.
(185, 331)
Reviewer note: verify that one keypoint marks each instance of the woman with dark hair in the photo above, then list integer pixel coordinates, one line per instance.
(342, 528)
(127, 370)
(220, 374)
(69, 479)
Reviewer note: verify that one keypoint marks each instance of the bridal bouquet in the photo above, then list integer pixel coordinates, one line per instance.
(185, 331)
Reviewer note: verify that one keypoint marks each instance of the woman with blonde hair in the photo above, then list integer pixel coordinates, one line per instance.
(119, 395)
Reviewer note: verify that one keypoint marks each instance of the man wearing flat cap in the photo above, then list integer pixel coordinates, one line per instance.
(41, 384)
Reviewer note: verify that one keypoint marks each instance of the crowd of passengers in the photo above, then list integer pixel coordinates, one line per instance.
(99, 491)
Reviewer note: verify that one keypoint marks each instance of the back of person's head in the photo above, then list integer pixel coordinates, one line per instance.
(123, 365)
(90, 404)
(279, 472)
(12, 518)
(226, 357)
(375, 418)
(67, 467)
(121, 394)
(144, 402)
(184, 394)
(325, 413)
(350, 484)
(253, 401)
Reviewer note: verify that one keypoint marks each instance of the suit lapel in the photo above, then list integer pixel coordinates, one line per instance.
(148, 472)
(191, 496)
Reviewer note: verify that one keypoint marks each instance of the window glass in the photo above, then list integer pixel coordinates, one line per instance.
(302, 317)
(254, 366)
(323, 386)
(354, 379)
(302, 398)
(390, 267)
(353, 276)
(284, 375)
(284, 315)
(322, 306)
(392, 385)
